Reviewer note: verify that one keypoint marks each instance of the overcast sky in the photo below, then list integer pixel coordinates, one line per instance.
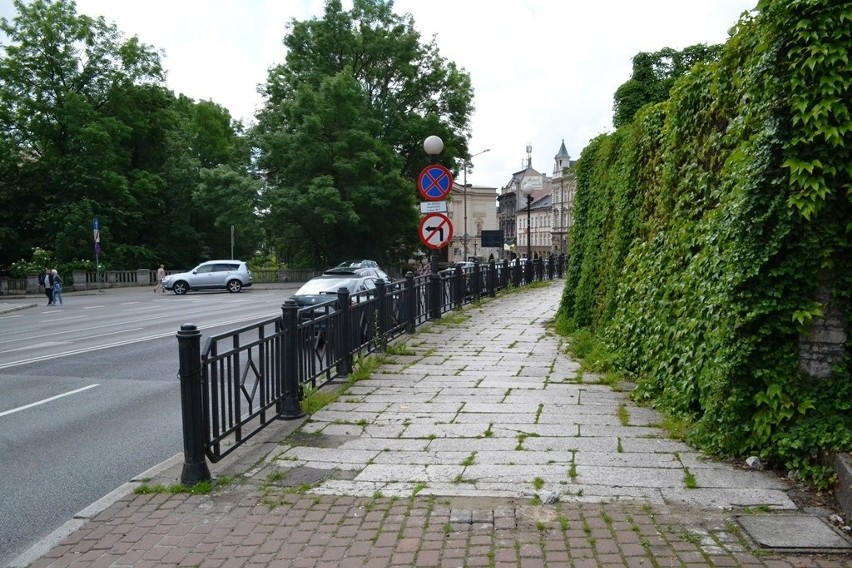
(542, 70)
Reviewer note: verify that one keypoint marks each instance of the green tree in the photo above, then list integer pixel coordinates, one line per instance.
(340, 137)
(653, 76)
(57, 76)
(227, 197)
(88, 130)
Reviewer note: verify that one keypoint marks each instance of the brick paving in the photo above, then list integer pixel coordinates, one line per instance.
(275, 527)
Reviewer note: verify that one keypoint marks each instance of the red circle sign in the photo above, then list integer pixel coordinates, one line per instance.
(436, 230)
(435, 182)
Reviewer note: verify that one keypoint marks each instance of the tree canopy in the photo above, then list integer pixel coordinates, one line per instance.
(88, 130)
(339, 138)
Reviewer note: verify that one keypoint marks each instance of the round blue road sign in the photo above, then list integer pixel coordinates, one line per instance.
(435, 182)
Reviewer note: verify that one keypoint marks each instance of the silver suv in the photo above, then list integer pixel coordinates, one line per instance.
(230, 275)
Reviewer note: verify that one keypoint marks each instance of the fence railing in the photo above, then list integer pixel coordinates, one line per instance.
(14, 286)
(247, 378)
(81, 280)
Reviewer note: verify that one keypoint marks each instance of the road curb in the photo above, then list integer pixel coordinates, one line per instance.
(7, 308)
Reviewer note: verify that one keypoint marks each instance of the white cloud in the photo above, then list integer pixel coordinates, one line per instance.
(542, 70)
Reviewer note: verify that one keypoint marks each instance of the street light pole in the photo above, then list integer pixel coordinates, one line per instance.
(528, 191)
(464, 197)
(433, 146)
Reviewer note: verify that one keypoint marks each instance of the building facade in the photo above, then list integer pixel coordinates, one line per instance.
(564, 188)
(512, 212)
(471, 210)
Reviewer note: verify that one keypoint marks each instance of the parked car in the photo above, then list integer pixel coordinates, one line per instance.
(230, 275)
(359, 263)
(323, 289)
(376, 273)
(465, 265)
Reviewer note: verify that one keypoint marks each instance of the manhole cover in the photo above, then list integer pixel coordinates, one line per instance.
(794, 532)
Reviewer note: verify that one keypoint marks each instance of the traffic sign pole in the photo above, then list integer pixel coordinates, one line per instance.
(434, 184)
(96, 229)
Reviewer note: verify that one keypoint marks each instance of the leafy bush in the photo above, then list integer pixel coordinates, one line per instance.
(704, 227)
(42, 259)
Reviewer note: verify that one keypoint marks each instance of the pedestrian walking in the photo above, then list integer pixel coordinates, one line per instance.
(161, 274)
(46, 282)
(57, 287)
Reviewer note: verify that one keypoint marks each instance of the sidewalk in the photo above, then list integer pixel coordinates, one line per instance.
(482, 445)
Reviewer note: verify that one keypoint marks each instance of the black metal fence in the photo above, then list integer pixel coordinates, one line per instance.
(244, 379)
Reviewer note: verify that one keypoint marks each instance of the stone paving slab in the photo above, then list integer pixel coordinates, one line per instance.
(775, 531)
(519, 425)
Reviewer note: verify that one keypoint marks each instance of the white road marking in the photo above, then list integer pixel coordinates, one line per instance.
(37, 346)
(45, 401)
(78, 331)
(120, 343)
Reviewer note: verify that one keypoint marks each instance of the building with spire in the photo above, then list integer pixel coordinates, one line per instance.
(517, 226)
(564, 186)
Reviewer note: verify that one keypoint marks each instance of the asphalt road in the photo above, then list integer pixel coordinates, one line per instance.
(90, 396)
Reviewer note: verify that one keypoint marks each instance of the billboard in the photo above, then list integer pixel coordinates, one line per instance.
(492, 239)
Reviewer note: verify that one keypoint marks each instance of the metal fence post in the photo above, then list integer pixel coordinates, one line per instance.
(288, 405)
(382, 323)
(410, 303)
(195, 468)
(458, 287)
(435, 296)
(550, 266)
(345, 336)
(490, 279)
(504, 274)
(477, 280)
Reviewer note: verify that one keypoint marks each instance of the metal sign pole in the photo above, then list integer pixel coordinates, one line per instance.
(96, 229)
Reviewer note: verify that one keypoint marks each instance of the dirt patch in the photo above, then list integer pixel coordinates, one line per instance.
(315, 440)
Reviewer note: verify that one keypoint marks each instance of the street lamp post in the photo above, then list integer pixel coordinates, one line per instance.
(433, 146)
(528, 191)
(464, 197)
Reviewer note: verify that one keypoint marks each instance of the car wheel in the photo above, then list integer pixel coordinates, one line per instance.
(235, 286)
(180, 288)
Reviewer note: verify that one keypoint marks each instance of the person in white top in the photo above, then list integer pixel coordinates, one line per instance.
(57, 287)
(161, 273)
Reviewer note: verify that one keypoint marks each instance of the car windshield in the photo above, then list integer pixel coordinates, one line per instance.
(326, 286)
(358, 263)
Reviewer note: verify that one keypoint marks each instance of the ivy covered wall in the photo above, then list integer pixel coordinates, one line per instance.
(705, 227)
